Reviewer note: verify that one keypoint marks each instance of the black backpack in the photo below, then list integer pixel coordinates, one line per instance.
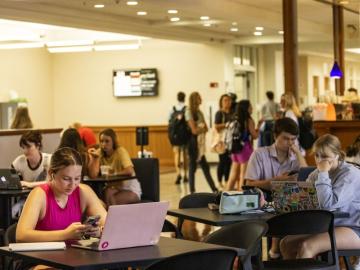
(178, 130)
(307, 134)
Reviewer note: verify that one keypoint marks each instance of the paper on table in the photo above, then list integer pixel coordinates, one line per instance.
(37, 246)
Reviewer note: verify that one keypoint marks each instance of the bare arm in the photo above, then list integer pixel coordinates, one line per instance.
(94, 163)
(32, 212)
(299, 156)
(92, 203)
(253, 132)
(32, 184)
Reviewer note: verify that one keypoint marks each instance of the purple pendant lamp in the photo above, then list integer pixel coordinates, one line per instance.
(336, 71)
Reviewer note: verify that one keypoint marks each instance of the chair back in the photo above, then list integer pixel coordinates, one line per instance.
(305, 222)
(245, 235)
(209, 259)
(301, 222)
(10, 234)
(197, 200)
(147, 173)
(170, 227)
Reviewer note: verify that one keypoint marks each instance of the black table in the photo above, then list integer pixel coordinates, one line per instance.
(213, 217)
(76, 258)
(5, 205)
(98, 183)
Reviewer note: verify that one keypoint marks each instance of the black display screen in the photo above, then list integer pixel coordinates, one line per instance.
(135, 83)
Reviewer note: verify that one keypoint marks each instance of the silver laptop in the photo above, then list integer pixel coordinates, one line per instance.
(129, 225)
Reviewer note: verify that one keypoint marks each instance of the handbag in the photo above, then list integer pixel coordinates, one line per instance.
(217, 142)
(239, 201)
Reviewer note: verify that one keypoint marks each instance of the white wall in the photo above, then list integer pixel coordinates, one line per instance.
(83, 82)
(29, 73)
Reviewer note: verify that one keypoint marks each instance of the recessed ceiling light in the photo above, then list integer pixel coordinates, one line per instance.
(234, 23)
(280, 32)
(207, 24)
(257, 33)
(204, 18)
(132, 3)
(172, 11)
(259, 28)
(343, 2)
(141, 13)
(99, 6)
(175, 19)
(234, 29)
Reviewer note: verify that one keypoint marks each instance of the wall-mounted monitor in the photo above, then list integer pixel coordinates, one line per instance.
(135, 82)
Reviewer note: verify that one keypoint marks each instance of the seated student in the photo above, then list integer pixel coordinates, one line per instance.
(116, 156)
(32, 166)
(71, 138)
(337, 184)
(353, 153)
(275, 162)
(53, 211)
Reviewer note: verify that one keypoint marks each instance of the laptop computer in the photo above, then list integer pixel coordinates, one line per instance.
(129, 225)
(291, 196)
(9, 180)
(304, 172)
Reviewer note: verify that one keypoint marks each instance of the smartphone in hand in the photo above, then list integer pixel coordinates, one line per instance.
(92, 220)
(293, 172)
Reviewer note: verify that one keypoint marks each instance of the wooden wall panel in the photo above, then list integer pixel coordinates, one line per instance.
(158, 141)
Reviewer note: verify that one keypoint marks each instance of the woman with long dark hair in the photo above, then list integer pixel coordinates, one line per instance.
(222, 117)
(248, 133)
(196, 148)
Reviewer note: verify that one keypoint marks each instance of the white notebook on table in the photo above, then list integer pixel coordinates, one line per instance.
(37, 246)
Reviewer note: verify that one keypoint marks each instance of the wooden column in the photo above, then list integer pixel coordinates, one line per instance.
(338, 32)
(290, 46)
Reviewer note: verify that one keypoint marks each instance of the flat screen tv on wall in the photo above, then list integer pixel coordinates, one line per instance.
(135, 82)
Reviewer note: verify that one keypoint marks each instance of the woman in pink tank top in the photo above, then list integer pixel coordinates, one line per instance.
(53, 211)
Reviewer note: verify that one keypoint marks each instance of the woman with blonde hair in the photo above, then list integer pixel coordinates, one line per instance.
(22, 119)
(337, 184)
(291, 109)
(196, 121)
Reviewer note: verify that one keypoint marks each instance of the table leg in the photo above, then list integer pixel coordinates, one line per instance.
(5, 212)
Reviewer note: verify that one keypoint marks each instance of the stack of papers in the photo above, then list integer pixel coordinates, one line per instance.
(37, 246)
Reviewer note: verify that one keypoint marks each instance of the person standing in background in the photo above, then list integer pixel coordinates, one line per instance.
(22, 119)
(222, 117)
(87, 135)
(179, 147)
(270, 111)
(197, 124)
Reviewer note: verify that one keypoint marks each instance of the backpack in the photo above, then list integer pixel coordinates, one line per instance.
(307, 134)
(233, 137)
(178, 130)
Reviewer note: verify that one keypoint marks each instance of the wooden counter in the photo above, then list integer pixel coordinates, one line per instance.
(9, 143)
(346, 131)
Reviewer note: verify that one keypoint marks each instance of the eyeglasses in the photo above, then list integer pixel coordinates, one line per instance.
(319, 158)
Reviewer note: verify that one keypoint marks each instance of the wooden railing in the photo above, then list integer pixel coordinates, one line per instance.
(158, 141)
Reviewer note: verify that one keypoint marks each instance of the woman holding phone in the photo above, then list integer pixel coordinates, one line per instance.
(53, 211)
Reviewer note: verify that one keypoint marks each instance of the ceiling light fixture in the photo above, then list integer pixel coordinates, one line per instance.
(172, 11)
(141, 13)
(175, 19)
(99, 6)
(69, 43)
(70, 49)
(234, 29)
(343, 2)
(234, 23)
(259, 28)
(117, 47)
(257, 33)
(26, 45)
(280, 32)
(207, 24)
(204, 18)
(336, 71)
(132, 3)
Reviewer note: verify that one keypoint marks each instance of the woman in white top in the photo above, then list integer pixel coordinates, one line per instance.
(32, 166)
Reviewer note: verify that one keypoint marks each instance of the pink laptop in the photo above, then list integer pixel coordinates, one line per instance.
(130, 225)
